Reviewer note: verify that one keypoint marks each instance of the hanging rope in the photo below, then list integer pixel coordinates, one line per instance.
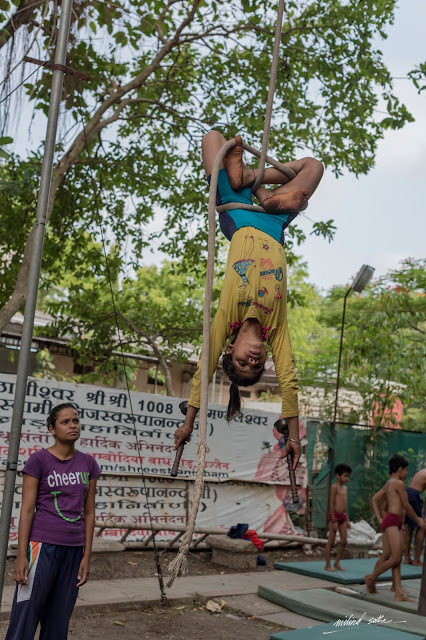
(272, 83)
(178, 566)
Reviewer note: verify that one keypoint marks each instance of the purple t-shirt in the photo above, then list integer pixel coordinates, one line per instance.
(59, 514)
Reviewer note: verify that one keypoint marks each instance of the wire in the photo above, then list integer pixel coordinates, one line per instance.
(19, 85)
(96, 191)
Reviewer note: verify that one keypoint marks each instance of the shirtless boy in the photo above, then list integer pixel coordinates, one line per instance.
(337, 516)
(414, 495)
(392, 525)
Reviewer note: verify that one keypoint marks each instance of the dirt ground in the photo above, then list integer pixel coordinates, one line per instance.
(173, 622)
(170, 623)
(141, 564)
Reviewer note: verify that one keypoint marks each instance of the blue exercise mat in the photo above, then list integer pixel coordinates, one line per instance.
(355, 570)
(359, 632)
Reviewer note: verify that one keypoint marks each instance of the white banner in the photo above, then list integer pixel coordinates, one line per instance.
(246, 450)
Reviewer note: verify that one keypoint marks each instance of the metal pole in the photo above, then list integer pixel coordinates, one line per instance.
(331, 453)
(32, 287)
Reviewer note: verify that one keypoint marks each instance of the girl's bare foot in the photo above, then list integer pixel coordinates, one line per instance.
(402, 597)
(417, 563)
(339, 567)
(329, 568)
(239, 175)
(289, 201)
(370, 583)
(408, 561)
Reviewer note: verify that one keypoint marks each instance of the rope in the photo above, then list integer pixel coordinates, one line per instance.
(272, 82)
(179, 565)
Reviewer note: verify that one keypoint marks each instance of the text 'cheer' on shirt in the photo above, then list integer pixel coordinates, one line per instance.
(59, 514)
(255, 286)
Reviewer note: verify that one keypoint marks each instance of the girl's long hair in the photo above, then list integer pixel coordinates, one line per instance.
(234, 404)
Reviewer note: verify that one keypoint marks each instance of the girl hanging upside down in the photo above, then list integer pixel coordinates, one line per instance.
(253, 302)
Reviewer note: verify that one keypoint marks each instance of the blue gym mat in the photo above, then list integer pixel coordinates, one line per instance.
(355, 570)
(359, 632)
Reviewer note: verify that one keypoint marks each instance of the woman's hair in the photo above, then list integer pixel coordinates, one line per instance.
(234, 404)
(50, 422)
(396, 461)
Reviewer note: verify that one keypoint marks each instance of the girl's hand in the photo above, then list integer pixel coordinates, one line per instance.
(334, 526)
(20, 573)
(83, 571)
(348, 524)
(295, 449)
(183, 434)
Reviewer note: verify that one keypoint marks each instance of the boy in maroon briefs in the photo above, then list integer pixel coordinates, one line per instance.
(337, 516)
(391, 525)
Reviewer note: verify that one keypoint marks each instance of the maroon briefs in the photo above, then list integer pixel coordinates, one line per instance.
(391, 520)
(340, 517)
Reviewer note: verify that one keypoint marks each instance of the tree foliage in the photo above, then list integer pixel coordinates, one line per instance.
(384, 345)
(158, 312)
(165, 73)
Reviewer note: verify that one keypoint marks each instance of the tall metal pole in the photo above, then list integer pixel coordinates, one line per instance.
(361, 280)
(32, 287)
(331, 452)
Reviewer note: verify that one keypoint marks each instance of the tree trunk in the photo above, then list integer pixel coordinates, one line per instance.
(164, 366)
(93, 127)
(19, 294)
(23, 15)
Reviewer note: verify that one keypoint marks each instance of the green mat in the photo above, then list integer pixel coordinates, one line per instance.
(330, 606)
(360, 632)
(385, 596)
(354, 574)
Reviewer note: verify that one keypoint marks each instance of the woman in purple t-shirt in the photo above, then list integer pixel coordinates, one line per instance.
(55, 532)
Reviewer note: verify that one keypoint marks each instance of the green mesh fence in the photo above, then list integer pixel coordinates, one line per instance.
(366, 451)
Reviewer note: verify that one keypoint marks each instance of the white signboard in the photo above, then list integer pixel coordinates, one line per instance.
(131, 436)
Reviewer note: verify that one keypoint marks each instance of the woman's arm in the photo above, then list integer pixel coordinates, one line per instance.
(29, 498)
(285, 370)
(89, 526)
(219, 331)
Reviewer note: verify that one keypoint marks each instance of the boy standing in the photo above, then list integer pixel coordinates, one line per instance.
(392, 525)
(337, 516)
(414, 495)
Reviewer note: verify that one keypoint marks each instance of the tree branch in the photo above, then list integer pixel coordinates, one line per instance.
(23, 15)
